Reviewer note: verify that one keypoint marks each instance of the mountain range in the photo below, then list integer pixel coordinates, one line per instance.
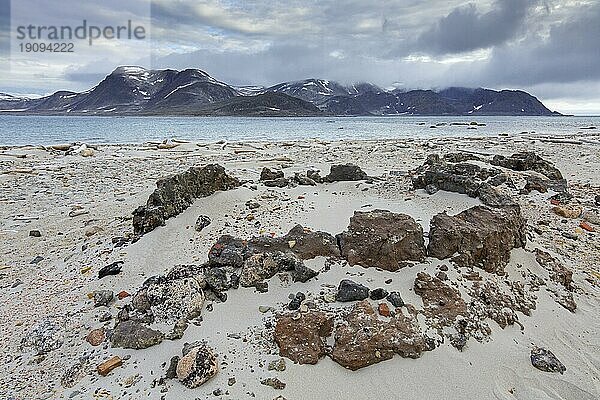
(139, 91)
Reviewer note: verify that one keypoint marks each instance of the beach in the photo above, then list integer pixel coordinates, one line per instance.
(81, 206)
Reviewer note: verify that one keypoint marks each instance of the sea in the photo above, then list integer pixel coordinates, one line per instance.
(46, 130)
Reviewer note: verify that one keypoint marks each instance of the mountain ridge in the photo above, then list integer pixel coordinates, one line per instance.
(131, 90)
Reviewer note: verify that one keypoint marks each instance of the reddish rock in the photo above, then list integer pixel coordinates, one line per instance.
(96, 336)
(363, 339)
(122, 294)
(479, 236)
(382, 239)
(586, 226)
(384, 310)
(442, 302)
(300, 337)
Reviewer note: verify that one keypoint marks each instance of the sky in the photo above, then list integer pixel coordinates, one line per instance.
(546, 47)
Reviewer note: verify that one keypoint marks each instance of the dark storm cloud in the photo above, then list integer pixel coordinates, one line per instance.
(466, 28)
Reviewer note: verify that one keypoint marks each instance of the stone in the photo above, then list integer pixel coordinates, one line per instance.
(528, 161)
(585, 226)
(216, 278)
(567, 212)
(303, 180)
(261, 266)
(382, 239)
(351, 291)
(275, 383)
(176, 193)
(44, 337)
(363, 339)
(96, 336)
(103, 297)
(301, 336)
(172, 369)
(261, 287)
(431, 189)
(178, 330)
(252, 204)
(296, 301)
(173, 297)
(268, 174)
(277, 365)
(480, 236)
(202, 222)
(441, 302)
(345, 172)
(92, 230)
(197, 367)
(545, 360)
(35, 233)
(395, 299)
(122, 294)
(378, 294)
(383, 310)
(110, 269)
(307, 244)
(315, 175)
(228, 251)
(107, 366)
(279, 182)
(134, 335)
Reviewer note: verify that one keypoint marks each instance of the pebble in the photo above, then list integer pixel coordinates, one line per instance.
(35, 233)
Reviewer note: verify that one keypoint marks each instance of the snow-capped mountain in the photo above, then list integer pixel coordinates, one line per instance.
(135, 90)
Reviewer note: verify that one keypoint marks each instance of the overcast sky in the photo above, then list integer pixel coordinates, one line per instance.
(549, 48)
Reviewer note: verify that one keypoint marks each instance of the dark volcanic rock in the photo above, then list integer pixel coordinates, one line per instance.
(134, 335)
(301, 336)
(528, 161)
(441, 302)
(268, 174)
(481, 236)
(395, 299)
(296, 301)
(228, 251)
(545, 360)
(110, 269)
(363, 339)
(279, 182)
(378, 294)
(202, 222)
(176, 193)
(345, 172)
(197, 366)
(351, 291)
(382, 239)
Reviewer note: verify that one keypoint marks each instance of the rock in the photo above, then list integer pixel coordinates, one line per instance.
(585, 226)
(92, 230)
(108, 365)
(134, 335)
(382, 239)
(252, 204)
(279, 182)
(228, 251)
(315, 175)
(351, 291)
(481, 236)
(103, 297)
(44, 337)
(176, 193)
(268, 174)
(110, 269)
(383, 310)
(122, 294)
(261, 287)
(378, 294)
(231, 381)
(35, 233)
(172, 297)
(172, 369)
(197, 367)
(277, 365)
(301, 336)
(296, 301)
(528, 161)
(178, 330)
(264, 309)
(535, 183)
(202, 222)
(216, 278)
(345, 172)
(395, 299)
(441, 302)
(431, 189)
(275, 383)
(263, 266)
(36, 260)
(303, 180)
(567, 212)
(545, 360)
(96, 336)
(363, 339)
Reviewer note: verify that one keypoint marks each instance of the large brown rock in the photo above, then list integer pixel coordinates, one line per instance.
(382, 239)
(479, 236)
(301, 241)
(442, 302)
(301, 336)
(176, 193)
(363, 339)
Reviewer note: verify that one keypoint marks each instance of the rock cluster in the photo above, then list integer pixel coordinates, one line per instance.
(176, 193)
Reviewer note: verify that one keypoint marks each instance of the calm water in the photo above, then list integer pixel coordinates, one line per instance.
(21, 130)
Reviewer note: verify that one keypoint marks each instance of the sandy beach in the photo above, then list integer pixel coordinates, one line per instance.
(81, 206)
